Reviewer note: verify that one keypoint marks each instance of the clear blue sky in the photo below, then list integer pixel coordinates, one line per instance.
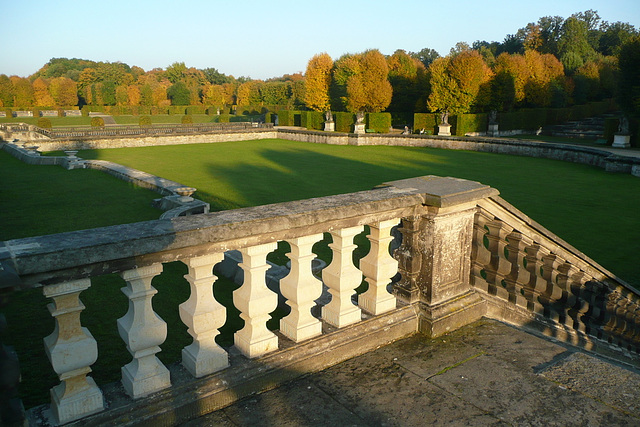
(265, 38)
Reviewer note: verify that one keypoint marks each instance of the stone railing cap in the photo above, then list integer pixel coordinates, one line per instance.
(445, 191)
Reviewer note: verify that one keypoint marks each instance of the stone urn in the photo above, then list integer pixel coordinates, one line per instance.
(185, 194)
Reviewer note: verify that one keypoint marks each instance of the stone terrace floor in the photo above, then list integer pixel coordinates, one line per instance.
(487, 373)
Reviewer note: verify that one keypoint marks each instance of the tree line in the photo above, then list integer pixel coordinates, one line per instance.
(553, 62)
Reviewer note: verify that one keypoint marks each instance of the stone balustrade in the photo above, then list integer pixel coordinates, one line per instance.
(529, 276)
(464, 254)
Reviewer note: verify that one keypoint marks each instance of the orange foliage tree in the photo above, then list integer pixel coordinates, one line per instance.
(41, 93)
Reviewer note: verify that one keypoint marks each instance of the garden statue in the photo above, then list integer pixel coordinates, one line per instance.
(623, 127)
(359, 117)
(444, 117)
(493, 117)
(328, 117)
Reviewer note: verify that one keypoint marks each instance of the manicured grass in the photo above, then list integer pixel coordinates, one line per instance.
(55, 121)
(40, 200)
(163, 119)
(594, 210)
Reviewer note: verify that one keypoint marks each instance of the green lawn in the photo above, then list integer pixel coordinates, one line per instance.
(584, 205)
(40, 200)
(594, 210)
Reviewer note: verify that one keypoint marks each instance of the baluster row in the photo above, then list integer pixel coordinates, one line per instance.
(72, 349)
(512, 267)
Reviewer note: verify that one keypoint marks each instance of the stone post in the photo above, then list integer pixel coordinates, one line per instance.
(143, 331)
(203, 315)
(255, 301)
(71, 350)
(378, 268)
(435, 255)
(342, 277)
(301, 289)
(444, 129)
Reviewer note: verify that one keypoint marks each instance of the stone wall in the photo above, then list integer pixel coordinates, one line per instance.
(149, 141)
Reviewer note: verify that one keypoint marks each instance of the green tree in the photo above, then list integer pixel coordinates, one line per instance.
(179, 94)
(108, 90)
(6, 91)
(629, 89)
(22, 92)
(426, 56)
(460, 83)
(175, 72)
(574, 48)
(613, 36)
(318, 81)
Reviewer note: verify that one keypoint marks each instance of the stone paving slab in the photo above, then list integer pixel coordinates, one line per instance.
(487, 373)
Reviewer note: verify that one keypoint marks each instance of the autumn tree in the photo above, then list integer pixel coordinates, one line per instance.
(249, 93)
(407, 76)
(361, 83)
(459, 83)
(133, 95)
(41, 93)
(544, 71)
(318, 80)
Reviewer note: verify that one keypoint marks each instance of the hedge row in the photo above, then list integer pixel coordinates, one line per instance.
(527, 119)
(36, 110)
(344, 121)
(378, 122)
(312, 120)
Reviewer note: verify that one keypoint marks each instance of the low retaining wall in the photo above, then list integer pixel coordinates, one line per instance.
(149, 141)
(568, 153)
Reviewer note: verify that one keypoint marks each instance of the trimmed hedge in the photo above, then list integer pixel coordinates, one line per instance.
(195, 109)
(610, 128)
(144, 121)
(224, 118)
(379, 122)
(289, 118)
(344, 121)
(427, 121)
(467, 123)
(312, 120)
(97, 122)
(187, 119)
(44, 122)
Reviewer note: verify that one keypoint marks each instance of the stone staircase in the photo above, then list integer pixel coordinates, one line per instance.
(588, 128)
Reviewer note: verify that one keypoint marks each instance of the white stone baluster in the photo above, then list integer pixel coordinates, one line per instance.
(342, 278)
(71, 350)
(378, 268)
(143, 331)
(301, 288)
(203, 315)
(255, 301)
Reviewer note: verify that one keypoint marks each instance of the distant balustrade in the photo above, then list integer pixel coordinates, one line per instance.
(464, 254)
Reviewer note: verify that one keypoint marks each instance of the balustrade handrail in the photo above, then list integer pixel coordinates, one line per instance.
(52, 258)
(519, 262)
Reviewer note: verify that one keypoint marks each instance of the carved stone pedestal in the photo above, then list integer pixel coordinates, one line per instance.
(359, 128)
(492, 130)
(444, 129)
(329, 126)
(621, 141)
(435, 256)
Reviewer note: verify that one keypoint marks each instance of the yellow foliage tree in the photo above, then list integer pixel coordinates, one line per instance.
(459, 83)
(41, 93)
(64, 91)
(318, 79)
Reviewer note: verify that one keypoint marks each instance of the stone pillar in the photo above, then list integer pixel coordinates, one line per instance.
(330, 126)
(301, 289)
(203, 315)
(492, 129)
(71, 350)
(378, 268)
(255, 301)
(143, 331)
(441, 236)
(342, 277)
